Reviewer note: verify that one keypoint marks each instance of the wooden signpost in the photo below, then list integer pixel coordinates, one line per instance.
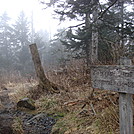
(118, 78)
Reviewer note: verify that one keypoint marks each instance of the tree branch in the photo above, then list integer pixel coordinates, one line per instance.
(77, 25)
(107, 9)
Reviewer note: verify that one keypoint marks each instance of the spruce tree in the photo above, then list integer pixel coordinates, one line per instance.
(21, 32)
(6, 45)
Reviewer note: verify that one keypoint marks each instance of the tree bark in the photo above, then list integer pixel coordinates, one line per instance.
(88, 45)
(94, 46)
(122, 53)
(44, 83)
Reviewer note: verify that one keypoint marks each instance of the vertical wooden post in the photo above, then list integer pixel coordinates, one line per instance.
(37, 64)
(44, 83)
(126, 107)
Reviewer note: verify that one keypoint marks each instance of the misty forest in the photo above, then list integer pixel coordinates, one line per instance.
(47, 78)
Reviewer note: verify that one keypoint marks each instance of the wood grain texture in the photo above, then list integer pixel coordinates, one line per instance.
(44, 83)
(117, 78)
(126, 107)
(37, 63)
(126, 113)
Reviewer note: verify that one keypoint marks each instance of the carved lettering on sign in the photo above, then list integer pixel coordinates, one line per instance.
(116, 78)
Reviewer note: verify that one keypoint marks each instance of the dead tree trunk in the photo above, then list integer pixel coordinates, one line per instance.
(94, 46)
(44, 83)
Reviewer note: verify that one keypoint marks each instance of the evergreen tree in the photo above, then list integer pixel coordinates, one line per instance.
(21, 32)
(85, 39)
(112, 27)
(6, 44)
(116, 31)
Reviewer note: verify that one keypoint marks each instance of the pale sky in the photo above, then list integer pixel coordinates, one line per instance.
(42, 18)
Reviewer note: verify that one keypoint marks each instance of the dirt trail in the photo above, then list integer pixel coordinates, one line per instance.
(6, 107)
(5, 101)
(39, 123)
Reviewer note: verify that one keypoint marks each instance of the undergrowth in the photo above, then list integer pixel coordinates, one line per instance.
(107, 122)
(79, 109)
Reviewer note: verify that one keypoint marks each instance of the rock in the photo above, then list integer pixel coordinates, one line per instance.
(26, 103)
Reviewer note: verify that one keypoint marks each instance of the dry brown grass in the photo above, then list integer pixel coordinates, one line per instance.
(17, 126)
(77, 109)
(107, 122)
(80, 110)
(74, 75)
(19, 90)
(17, 85)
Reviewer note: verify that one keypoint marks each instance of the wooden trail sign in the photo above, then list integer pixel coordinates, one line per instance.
(119, 78)
(116, 78)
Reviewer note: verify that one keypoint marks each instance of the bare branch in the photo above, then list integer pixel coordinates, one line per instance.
(77, 25)
(107, 9)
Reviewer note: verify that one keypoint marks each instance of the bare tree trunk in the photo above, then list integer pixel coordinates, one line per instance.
(37, 64)
(94, 46)
(44, 83)
(122, 28)
(88, 45)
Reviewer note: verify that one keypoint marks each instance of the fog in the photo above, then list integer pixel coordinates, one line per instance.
(23, 22)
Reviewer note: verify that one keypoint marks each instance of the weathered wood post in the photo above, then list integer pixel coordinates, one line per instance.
(126, 107)
(44, 83)
(37, 64)
(118, 78)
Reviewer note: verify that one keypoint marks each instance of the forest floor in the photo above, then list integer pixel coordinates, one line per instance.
(15, 120)
(77, 109)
